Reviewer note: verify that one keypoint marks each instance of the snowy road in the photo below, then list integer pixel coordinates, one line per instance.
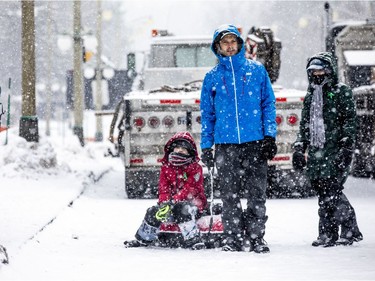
(85, 243)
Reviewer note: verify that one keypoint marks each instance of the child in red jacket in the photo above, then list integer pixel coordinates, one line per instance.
(181, 195)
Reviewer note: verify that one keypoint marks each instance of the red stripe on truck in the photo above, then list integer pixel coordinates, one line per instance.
(170, 101)
(136, 161)
(281, 158)
(281, 99)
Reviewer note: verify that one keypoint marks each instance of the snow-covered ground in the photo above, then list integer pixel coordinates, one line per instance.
(64, 216)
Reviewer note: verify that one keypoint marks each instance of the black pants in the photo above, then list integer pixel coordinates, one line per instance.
(334, 211)
(240, 166)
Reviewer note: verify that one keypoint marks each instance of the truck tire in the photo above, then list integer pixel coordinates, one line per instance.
(361, 167)
(141, 184)
(288, 184)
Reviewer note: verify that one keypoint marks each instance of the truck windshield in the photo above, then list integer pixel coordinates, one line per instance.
(194, 56)
(182, 56)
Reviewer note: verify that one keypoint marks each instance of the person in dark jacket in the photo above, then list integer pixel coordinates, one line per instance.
(181, 195)
(327, 131)
(238, 116)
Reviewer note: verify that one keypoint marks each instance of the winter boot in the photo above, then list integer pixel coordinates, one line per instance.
(328, 232)
(231, 244)
(194, 243)
(135, 244)
(259, 246)
(191, 235)
(344, 242)
(324, 242)
(347, 240)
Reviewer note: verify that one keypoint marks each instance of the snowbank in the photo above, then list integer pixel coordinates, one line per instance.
(39, 180)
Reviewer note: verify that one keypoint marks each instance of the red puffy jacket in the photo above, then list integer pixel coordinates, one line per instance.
(182, 183)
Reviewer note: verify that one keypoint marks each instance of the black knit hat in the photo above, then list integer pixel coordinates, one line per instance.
(182, 143)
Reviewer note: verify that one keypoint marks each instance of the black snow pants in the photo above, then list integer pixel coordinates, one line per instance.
(334, 211)
(240, 166)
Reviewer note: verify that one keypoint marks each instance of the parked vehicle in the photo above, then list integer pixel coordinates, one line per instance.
(352, 42)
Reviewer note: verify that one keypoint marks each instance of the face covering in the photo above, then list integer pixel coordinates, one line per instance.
(179, 159)
(318, 79)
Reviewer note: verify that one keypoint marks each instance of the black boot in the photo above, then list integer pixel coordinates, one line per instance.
(231, 244)
(195, 243)
(135, 243)
(348, 239)
(323, 242)
(259, 246)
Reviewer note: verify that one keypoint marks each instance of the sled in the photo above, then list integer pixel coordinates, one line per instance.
(210, 227)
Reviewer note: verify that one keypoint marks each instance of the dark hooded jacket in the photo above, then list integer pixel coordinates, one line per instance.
(182, 183)
(339, 115)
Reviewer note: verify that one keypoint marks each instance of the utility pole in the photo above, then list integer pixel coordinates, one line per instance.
(29, 121)
(328, 11)
(49, 69)
(99, 102)
(77, 73)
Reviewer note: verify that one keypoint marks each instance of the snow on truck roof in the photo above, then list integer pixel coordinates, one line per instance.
(164, 40)
(360, 57)
(146, 95)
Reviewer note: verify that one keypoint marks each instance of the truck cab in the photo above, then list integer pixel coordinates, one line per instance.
(175, 60)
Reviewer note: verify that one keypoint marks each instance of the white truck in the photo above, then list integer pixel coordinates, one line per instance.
(151, 116)
(353, 43)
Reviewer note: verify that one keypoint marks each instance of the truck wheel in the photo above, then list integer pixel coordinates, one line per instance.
(141, 184)
(131, 192)
(360, 167)
(288, 184)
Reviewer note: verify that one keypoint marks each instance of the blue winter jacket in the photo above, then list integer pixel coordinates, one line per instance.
(237, 100)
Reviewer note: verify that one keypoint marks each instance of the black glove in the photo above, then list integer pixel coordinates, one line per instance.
(298, 160)
(207, 158)
(269, 148)
(344, 159)
(346, 143)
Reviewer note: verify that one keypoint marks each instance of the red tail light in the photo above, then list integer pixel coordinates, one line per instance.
(168, 121)
(279, 119)
(154, 32)
(292, 119)
(139, 122)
